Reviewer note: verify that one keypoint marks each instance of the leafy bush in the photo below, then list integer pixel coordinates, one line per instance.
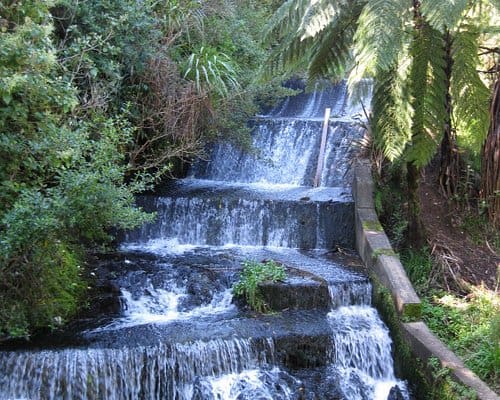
(61, 178)
(211, 70)
(253, 274)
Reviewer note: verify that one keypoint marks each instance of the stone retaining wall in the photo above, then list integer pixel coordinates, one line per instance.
(376, 252)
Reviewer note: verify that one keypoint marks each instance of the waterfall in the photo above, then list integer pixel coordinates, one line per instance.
(362, 357)
(285, 152)
(155, 372)
(176, 333)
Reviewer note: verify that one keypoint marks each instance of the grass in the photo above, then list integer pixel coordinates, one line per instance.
(480, 231)
(469, 325)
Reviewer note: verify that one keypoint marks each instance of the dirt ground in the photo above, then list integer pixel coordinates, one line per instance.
(463, 262)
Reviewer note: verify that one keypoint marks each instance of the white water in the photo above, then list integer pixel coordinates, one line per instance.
(160, 306)
(247, 384)
(362, 353)
(285, 153)
(150, 373)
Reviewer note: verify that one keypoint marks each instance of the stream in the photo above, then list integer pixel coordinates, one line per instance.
(167, 326)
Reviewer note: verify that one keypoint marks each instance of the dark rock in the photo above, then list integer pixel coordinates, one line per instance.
(295, 294)
(299, 352)
(395, 394)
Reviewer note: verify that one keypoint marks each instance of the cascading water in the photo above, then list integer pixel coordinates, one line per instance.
(176, 333)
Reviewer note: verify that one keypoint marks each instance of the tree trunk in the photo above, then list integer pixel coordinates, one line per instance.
(490, 168)
(416, 231)
(449, 173)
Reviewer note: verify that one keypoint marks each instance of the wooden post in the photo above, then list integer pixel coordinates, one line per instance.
(321, 156)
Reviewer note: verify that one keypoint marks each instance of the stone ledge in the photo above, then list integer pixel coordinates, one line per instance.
(376, 252)
(426, 345)
(363, 187)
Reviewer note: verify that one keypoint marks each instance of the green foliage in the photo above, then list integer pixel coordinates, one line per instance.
(42, 290)
(428, 89)
(418, 265)
(62, 179)
(253, 274)
(471, 115)
(210, 70)
(480, 230)
(103, 45)
(470, 327)
(391, 205)
(380, 36)
(444, 14)
(445, 387)
(315, 36)
(391, 112)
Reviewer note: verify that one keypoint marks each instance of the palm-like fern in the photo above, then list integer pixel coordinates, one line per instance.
(442, 15)
(380, 37)
(315, 35)
(391, 111)
(469, 91)
(428, 87)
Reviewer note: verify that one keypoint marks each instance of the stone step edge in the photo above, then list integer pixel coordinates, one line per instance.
(377, 254)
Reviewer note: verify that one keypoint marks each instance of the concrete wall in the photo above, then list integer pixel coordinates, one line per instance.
(376, 252)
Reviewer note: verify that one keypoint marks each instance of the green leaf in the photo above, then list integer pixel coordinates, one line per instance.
(7, 98)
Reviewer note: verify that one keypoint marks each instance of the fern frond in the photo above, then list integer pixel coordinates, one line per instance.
(379, 36)
(292, 54)
(470, 96)
(391, 111)
(331, 52)
(286, 19)
(443, 14)
(320, 14)
(306, 28)
(429, 89)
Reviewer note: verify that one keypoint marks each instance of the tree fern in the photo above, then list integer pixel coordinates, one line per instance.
(442, 14)
(391, 111)
(428, 88)
(319, 16)
(469, 93)
(315, 35)
(379, 36)
(331, 53)
(286, 19)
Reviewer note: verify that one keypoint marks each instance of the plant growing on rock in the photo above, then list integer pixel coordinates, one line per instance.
(253, 274)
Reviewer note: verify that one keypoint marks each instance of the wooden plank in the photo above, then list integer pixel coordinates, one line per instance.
(321, 156)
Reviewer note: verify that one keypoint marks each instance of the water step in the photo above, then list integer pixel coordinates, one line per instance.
(314, 293)
(203, 213)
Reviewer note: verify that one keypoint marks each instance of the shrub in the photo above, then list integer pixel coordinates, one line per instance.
(253, 274)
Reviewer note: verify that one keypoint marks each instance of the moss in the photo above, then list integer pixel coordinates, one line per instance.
(373, 225)
(406, 365)
(384, 252)
(412, 312)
